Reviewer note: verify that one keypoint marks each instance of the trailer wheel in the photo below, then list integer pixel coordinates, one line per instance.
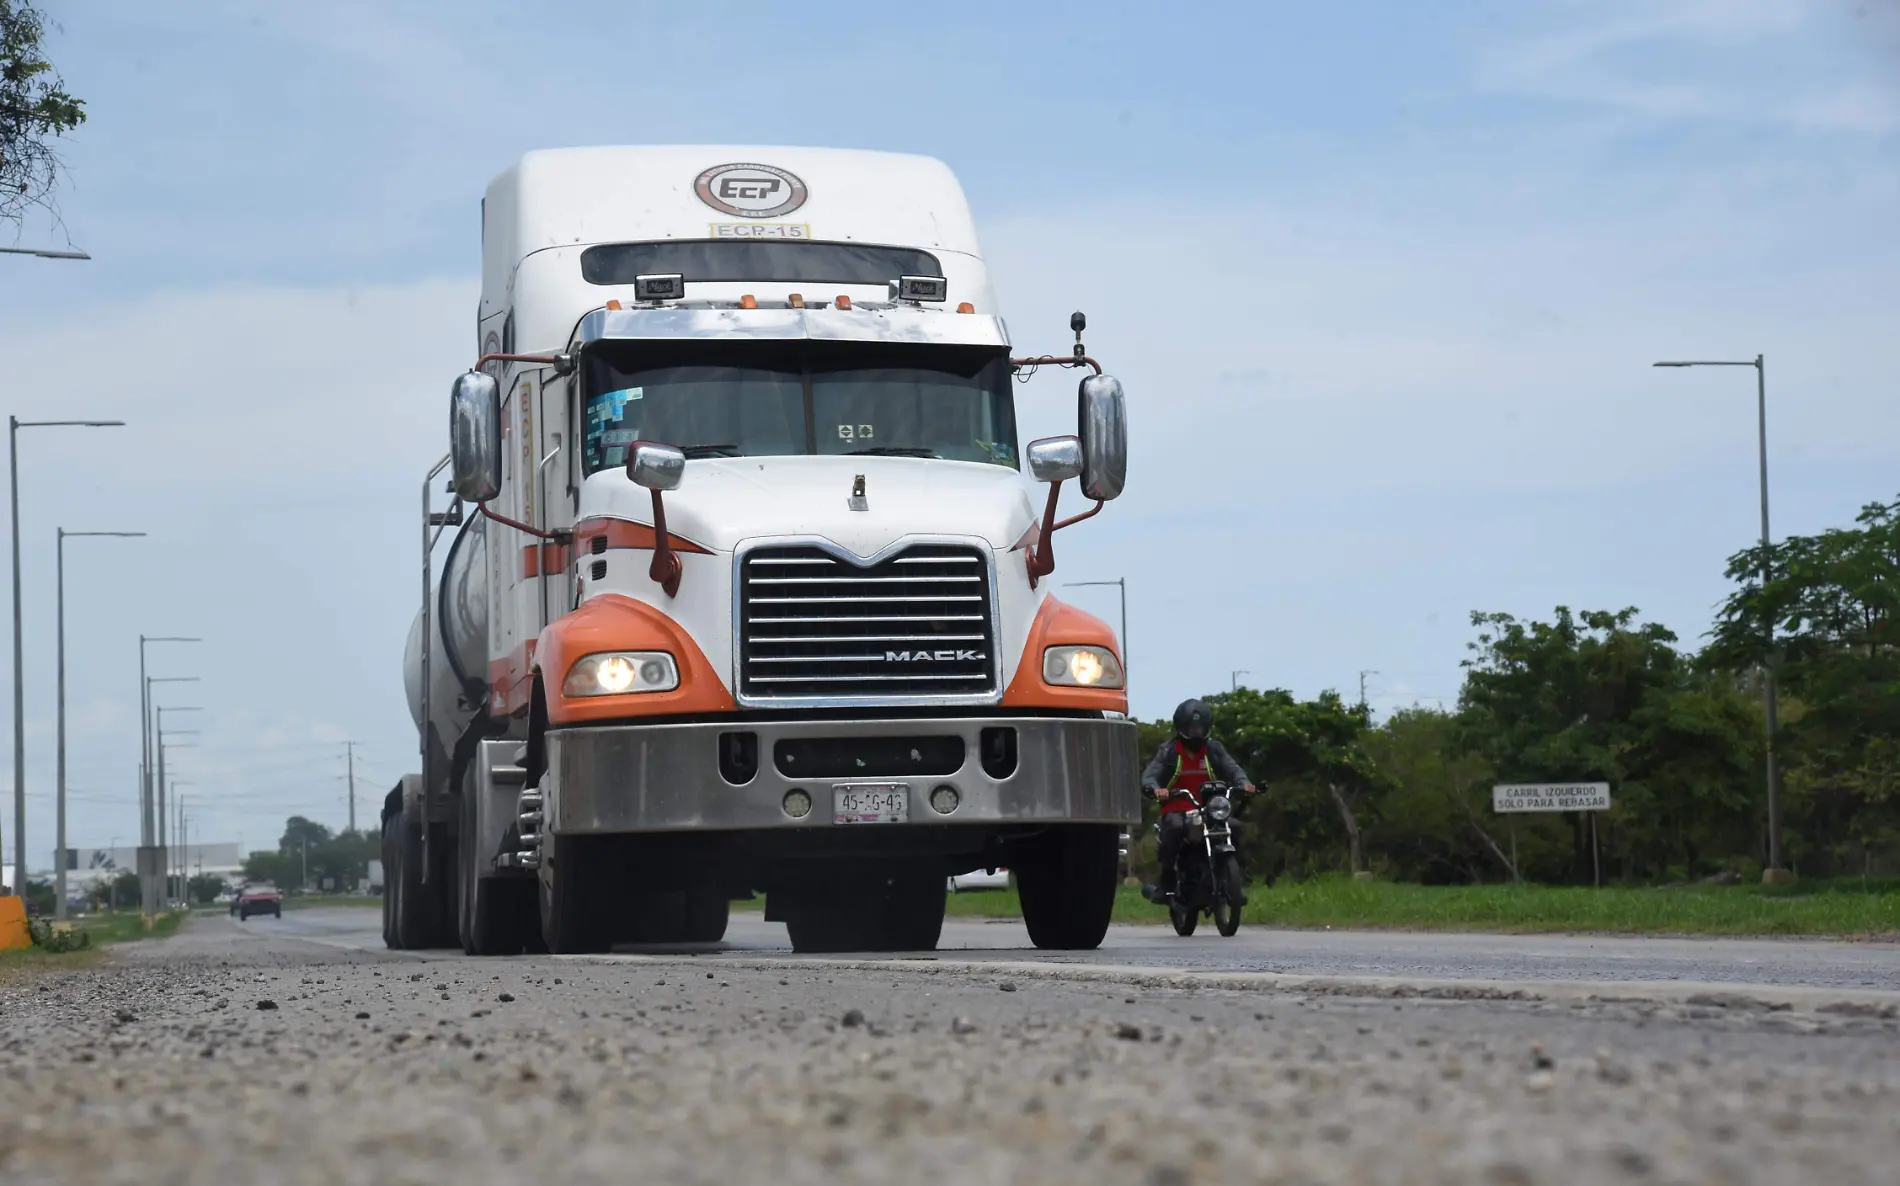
(573, 908)
(392, 881)
(1066, 878)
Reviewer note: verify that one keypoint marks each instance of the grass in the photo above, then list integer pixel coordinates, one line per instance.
(1839, 908)
(105, 930)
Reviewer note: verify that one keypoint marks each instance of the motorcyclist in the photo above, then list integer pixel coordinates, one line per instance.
(1187, 761)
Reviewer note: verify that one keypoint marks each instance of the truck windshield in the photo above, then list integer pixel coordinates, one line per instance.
(721, 399)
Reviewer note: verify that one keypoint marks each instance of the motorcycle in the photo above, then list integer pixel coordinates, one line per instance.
(1207, 876)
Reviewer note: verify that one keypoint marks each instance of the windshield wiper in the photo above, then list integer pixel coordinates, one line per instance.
(894, 451)
(695, 451)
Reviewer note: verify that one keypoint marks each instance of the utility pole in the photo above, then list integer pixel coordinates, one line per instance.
(306, 864)
(1770, 711)
(349, 756)
(1234, 679)
(1362, 687)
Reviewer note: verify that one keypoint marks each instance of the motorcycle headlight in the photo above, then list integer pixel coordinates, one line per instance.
(1081, 667)
(621, 673)
(1218, 809)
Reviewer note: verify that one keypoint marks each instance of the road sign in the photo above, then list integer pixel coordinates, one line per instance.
(1550, 796)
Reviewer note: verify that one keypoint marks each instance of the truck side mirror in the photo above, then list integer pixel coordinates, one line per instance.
(1055, 459)
(655, 466)
(1103, 417)
(475, 437)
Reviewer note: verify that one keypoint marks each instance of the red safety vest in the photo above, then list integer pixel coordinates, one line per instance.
(1190, 774)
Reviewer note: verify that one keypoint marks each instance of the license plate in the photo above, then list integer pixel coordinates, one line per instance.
(870, 803)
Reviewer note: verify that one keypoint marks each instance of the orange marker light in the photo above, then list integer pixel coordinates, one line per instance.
(613, 305)
(747, 302)
(843, 302)
(796, 301)
(966, 307)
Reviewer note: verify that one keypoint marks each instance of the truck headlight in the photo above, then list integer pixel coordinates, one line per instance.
(1081, 667)
(619, 673)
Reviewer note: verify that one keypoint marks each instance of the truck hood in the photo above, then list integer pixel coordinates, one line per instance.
(722, 502)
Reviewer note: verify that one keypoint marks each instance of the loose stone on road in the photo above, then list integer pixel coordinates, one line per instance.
(163, 1066)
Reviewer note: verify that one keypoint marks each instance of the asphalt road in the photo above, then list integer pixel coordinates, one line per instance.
(1329, 953)
(294, 1052)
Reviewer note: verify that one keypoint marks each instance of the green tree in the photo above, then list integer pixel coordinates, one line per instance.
(1437, 827)
(1831, 604)
(1323, 784)
(1599, 696)
(204, 888)
(272, 867)
(35, 110)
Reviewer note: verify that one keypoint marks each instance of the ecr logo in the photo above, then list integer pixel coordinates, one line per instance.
(750, 190)
(934, 656)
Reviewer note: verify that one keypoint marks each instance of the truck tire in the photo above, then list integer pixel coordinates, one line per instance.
(913, 914)
(827, 927)
(707, 913)
(1066, 878)
(574, 918)
(492, 918)
(424, 914)
(907, 916)
(392, 881)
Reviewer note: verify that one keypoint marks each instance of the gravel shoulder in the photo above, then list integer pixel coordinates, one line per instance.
(245, 1055)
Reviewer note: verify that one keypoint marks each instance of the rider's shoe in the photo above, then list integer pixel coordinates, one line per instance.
(1155, 894)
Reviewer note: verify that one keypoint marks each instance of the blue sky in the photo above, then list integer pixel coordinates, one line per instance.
(1383, 279)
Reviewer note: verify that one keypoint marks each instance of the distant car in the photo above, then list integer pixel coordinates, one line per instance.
(979, 879)
(258, 899)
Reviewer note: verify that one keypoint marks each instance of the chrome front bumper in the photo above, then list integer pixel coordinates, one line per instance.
(658, 778)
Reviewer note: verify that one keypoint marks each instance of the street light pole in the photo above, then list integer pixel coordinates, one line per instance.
(59, 859)
(1234, 685)
(163, 870)
(1770, 707)
(148, 812)
(14, 425)
(44, 252)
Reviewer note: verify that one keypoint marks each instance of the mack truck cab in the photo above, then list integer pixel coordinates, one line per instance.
(747, 592)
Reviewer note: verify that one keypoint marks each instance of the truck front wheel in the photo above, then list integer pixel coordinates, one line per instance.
(497, 914)
(902, 914)
(1067, 881)
(574, 917)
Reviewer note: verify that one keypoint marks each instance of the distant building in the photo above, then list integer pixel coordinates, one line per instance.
(87, 867)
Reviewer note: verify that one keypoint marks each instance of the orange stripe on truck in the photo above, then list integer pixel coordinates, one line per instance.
(611, 622)
(1059, 624)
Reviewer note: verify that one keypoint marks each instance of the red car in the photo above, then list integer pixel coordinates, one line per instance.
(258, 899)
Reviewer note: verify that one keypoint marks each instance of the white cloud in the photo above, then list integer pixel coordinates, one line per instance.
(1707, 60)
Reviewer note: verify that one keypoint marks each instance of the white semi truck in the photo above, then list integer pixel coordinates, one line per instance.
(748, 588)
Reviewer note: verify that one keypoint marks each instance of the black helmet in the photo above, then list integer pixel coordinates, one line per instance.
(1193, 721)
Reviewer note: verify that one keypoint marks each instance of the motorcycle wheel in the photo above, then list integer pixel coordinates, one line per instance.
(1228, 891)
(1184, 918)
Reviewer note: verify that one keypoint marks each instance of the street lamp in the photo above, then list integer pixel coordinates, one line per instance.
(44, 252)
(1769, 708)
(158, 752)
(184, 846)
(148, 824)
(1234, 685)
(1121, 586)
(59, 862)
(14, 425)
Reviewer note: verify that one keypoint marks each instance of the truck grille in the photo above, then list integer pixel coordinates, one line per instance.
(916, 624)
